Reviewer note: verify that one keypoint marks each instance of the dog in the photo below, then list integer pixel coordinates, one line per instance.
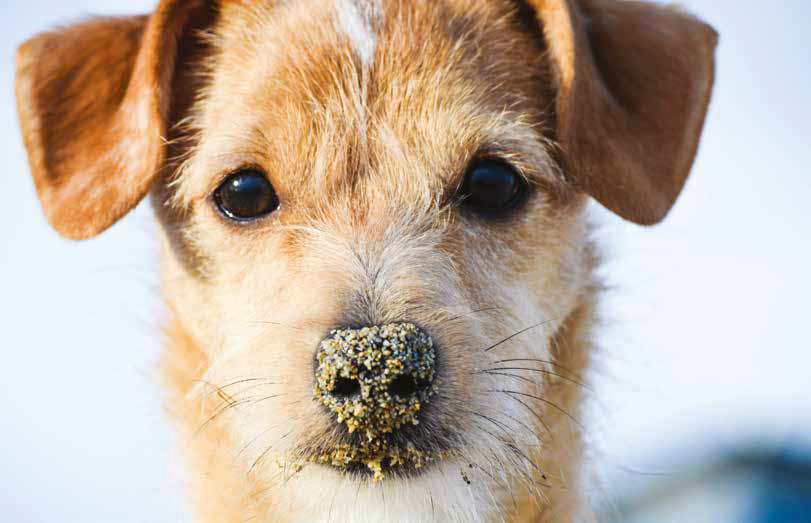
(376, 256)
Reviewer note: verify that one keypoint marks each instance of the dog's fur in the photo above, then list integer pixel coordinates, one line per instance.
(365, 114)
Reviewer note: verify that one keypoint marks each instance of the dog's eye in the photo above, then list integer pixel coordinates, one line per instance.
(246, 194)
(492, 186)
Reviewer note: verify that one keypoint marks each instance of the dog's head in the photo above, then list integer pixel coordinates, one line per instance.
(373, 211)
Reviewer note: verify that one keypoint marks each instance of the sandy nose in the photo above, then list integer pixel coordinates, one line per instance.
(376, 379)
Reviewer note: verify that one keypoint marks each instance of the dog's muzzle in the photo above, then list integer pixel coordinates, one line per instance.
(375, 380)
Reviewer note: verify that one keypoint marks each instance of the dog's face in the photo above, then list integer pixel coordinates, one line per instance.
(409, 187)
(374, 164)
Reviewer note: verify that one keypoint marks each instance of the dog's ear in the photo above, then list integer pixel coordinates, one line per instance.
(93, 102)
(633, 85)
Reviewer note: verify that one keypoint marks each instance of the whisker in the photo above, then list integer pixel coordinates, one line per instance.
(265, 452)
(542, 371)
(494, 462)
(218, 412)
(259, 435)
(504, 428)
(540, 418)
(477, 311)
(536, 360)
(529, 429)
(508, 338)
(490, 475)
(220, 390)
(252, 441)
(513, 448)
(294, 327)
(509, 375)
(230, 403)
(554, 406)
(532, 463)
(205, 382)
(512, 445)
(515, 467)
(489, 433)
(267, 398)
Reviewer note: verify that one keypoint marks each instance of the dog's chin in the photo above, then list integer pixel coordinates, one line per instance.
(390, 470)
(409, 463)
(411, 452)
(439, 491)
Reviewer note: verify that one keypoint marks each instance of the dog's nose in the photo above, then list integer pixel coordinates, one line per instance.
(376, 379)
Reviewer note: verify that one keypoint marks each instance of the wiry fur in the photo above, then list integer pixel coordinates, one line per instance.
(365, 115)
(367, 154)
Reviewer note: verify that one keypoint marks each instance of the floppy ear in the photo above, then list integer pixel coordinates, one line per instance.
(633, 85)
(93, 102)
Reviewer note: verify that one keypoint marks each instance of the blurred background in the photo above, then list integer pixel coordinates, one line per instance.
(701, 410)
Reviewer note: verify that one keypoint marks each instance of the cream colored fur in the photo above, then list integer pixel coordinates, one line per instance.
(365, 115)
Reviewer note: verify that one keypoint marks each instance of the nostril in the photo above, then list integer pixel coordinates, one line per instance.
(374, 381)
(404, 386)
(345, 387)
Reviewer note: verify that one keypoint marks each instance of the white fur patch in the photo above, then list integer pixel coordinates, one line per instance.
(356, 19)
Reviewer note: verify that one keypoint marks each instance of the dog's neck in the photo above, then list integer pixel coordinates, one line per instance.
(220, 492)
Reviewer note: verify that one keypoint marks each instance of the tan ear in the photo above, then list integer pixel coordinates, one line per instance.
(93, 103)
(634, 82)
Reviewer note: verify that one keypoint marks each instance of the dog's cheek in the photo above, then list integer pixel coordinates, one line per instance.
(529, 273)
(542, 255)
(275, 309)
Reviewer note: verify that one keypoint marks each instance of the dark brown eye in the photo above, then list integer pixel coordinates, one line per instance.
(491, 187)
(245, 195)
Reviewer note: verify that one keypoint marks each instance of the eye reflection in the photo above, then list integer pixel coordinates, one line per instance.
(245, 195)
(492, 186)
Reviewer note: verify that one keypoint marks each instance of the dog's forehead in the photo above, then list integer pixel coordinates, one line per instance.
(325, 49)
(360, 20)
(318, 89)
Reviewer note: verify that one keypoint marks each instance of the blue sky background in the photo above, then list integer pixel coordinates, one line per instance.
(705, 343)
